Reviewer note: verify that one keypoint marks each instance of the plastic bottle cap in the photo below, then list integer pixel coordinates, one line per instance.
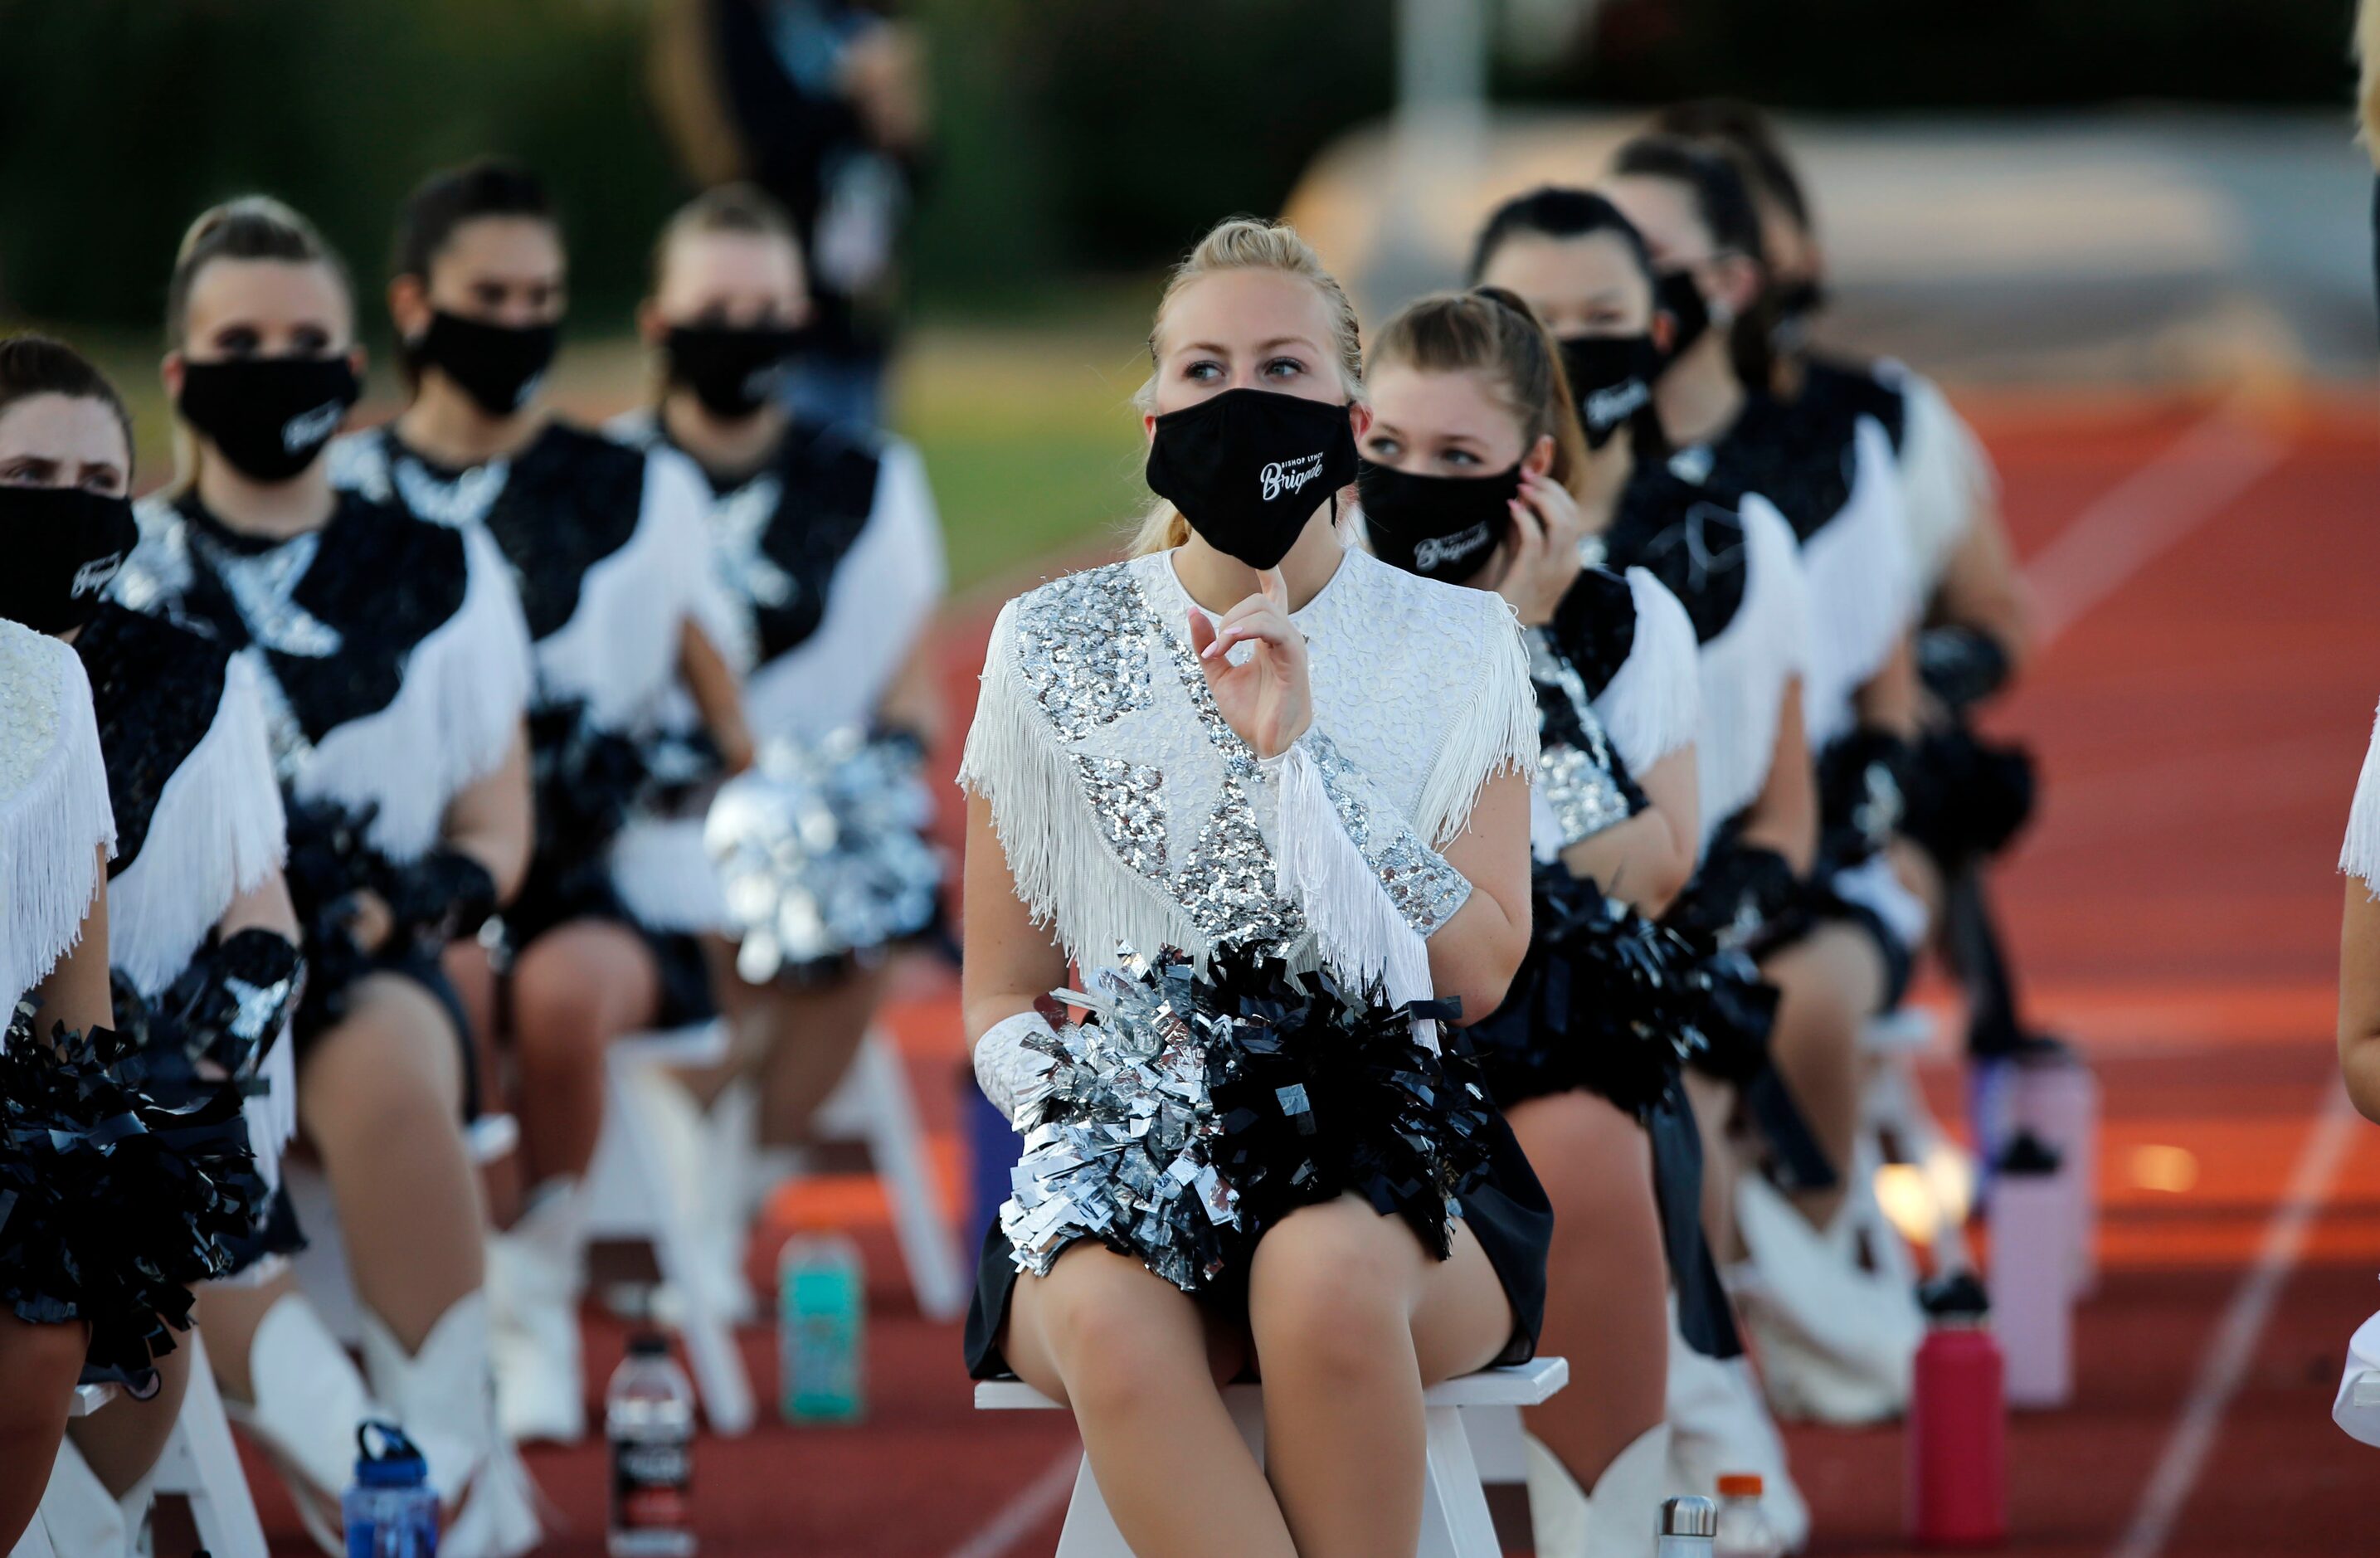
(1740, 1485)
(648, 1343)
(394, 1462)
(1689, 1516)
(2029, 1155)
(1955, 1298)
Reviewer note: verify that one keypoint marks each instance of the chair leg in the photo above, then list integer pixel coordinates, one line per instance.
(1090, 1531)
(1454, 1518)
(897, 1146)
(202, 1465)
(710, 1342)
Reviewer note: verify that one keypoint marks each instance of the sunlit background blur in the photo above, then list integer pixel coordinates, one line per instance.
(2090, 192)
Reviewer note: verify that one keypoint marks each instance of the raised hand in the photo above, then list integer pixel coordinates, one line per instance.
(1547, 529)
(1266, 699)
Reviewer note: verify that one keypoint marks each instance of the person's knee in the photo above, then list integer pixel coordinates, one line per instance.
(393, 1063)
(1326, 1285)
(41, 1363)
(569, 999)
(1116, 1349)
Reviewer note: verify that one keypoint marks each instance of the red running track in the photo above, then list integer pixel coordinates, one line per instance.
(2200, 716)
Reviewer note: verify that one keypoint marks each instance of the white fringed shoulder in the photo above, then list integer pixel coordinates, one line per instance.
(1653, 705)
(1746, 666)
(216, 832)
(1947, 477)
(1862, 591)
(55, 815)
(2360, 856)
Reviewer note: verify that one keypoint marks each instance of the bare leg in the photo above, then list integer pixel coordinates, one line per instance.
(1606, 1278)
(574, 990)
(1714, 1104)
(121, 1444)
(1135, 1359)
(39, 1366)
(812, 1036)
(229, 1315)
(1352, 1320)
(1829, 983)
(380, 1098)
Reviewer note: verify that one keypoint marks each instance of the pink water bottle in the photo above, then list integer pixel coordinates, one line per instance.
(2033, 1266)
(1958, 1423)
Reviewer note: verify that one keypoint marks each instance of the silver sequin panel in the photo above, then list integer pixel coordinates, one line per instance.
(1417, 879)
(1577, 784)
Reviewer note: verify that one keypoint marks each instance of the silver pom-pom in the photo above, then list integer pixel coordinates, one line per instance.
(1117, 1130)
(822, 853)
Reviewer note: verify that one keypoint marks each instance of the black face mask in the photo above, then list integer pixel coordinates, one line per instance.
(269, 415)
(1247, 468)
(499, 366)
(1612, 377)
(733, 373)
(1680, 297)
(1439, 527)
(64, 546)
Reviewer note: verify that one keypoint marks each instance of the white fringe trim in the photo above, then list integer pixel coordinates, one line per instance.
(1494, 731)
(1862, 597)
(1065, 875)
(1946, 479)
(1652, 705)
(1357, 928)
(619, 651)
(664, 876)
(2360, 856)
(465, 690)
(216, 832)
(1747, 667)
(52, 825)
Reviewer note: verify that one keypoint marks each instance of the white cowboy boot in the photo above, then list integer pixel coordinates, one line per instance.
(536, 1272)
(1837, 1340)
(1620, 1520)
(443, 1396)
(707, 1155)
(2357, 1409)
(79, 1516)
(1719, 1423)
(308, 1400)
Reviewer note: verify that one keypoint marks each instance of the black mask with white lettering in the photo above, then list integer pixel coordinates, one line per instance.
(733, 371)
(271, 415)
(1611, 376)
(1439, 527)
(64, 546)
(1248, 466)
(1680, 297)
(499, 366)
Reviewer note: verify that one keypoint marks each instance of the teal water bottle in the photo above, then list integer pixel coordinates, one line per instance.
(391, 1511)
(821, 1329)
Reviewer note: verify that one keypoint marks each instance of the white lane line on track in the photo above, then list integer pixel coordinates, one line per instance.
(2129, 525)
(1035, 1503)
(2225, 1366)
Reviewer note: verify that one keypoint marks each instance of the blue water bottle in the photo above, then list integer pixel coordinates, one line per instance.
(391, 1510)
(821, 1330)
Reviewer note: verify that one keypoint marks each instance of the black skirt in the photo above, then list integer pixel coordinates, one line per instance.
(1506, 1211)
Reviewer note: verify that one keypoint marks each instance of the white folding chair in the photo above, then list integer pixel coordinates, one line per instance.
(1455, 1522)
(630, 1197)
(875, 1107)
(201, 1468)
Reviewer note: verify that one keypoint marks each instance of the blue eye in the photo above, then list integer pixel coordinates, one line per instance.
(1202, 370)
(1282, 366)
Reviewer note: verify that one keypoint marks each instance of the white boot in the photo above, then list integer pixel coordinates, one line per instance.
(1837, 1340)
(1719, 1423)
(1620, 1520)
(443, 1396)
(708, 1157)
(2356, 1409)
(79, 1516)
(310, 1399)
(536, 1272)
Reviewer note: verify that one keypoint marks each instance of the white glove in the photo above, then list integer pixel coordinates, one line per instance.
(1005, 1068)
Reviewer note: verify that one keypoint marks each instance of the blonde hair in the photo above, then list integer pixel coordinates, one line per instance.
(726, 208)
(1245, 243)
(1492, 332)
(250, 227)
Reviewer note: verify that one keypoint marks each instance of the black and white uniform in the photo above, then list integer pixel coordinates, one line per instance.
(604, 545)
(199, 821)
(53, 810)
(1828, 466)
(1946, 477)
(827, 568)
(1134, 816)
(394, 669)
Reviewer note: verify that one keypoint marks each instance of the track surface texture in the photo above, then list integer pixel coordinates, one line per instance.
(2206, 573)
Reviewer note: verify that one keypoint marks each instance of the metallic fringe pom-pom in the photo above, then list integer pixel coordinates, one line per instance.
(123, 1174)
(822, 853)
(1118, 1128)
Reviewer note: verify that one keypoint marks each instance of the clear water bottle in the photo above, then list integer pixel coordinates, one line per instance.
(821, 1329)
(1744, 1529)
(648, 1423)
(1686, 1526)
(390, 1511)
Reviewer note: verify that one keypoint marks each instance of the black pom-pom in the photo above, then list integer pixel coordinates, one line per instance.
(1319, 1093)
(1967, 798)
(1605, 1000)
(1745, 898)
(124, 1178)
(330, 860)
